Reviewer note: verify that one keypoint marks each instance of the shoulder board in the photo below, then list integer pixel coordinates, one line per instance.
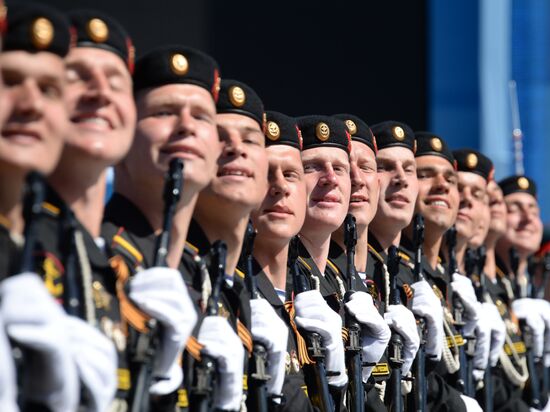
(333, 267)
(375, 253)
(50, 209)
(121, 244)
(239, 273)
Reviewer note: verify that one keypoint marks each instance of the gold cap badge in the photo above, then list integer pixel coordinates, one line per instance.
(352, 127)
(97, 30)
(471, 160)
(523, 183)
(237, 97)
(399, 133)
(273, 131)
(436, 144)
(322, 131)
(42, 33)
(179, 64)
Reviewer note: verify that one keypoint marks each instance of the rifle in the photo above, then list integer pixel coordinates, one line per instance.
(396, 343)
(354, 349)
(318, 389)
(420, 387)
(32, 209)
(72, 293)
(527, 335)
(450, 239)
(148, 342)
(257, 393)
(204, 373)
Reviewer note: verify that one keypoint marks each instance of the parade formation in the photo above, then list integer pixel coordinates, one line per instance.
(247, 259)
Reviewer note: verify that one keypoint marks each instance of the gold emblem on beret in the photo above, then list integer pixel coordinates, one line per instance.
(273, 131)
(399, 133)
(179, 64)
(436, 144)
(523, 183)
(42, 33)
(237, 96)
(97, 30)
(322, 131)
(352, 127)
(471, 160)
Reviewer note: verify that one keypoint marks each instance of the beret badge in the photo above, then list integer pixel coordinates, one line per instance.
(273, 131)
(179, 64)
(523, 183)
(97, 30)
(42, 33)
(399, 133)
(237, 96)
(322, 131)
(352, 127)
(436, 144)
(471, 160)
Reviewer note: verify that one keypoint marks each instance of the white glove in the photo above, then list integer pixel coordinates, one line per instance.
(269, 329)
(96, 359)
(544, 307)
(161, 293)
(402, 321)
(528, 309)
(375, 332)
(471, 404)
(426, 304)
(223, 344)
(314, 314)
(465, 290)
(36, 322)
(498, 331)
(8, 384)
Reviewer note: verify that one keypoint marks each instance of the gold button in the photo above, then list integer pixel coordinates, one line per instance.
(237, 96)
(273, 131)
(97, 30)
(42, 33)
(399, 133)
(471, 160)
(436, 144)
(322, 131)
(179, 64)
(523, 183)
(352, 127)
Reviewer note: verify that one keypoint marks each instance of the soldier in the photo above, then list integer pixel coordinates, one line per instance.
(34, 121)
(277, 220)
(102, 122)
(475, 171)
(523, 234)
(175, 90)
(437, 202)
(223, 211)
(363, 204)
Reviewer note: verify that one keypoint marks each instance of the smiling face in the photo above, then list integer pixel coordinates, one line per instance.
(101, 105)
(524, 226)
(174, 121)
(398, 189)
(438, 195)
(241, 176)
(282, 212)
(327, 175)
(36, 117)
(473, 192)
(365, 187)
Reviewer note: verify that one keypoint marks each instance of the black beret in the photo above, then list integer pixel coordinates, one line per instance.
(282, 129)
(358, 130)
(469, 160)
(35, 27)
(177, 64)
(323, 131)
(519, 183)
(239, 98)
(96, 29)
(429, 144)
(393, 134)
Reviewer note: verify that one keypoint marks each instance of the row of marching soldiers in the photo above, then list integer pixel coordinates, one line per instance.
(247, 259)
